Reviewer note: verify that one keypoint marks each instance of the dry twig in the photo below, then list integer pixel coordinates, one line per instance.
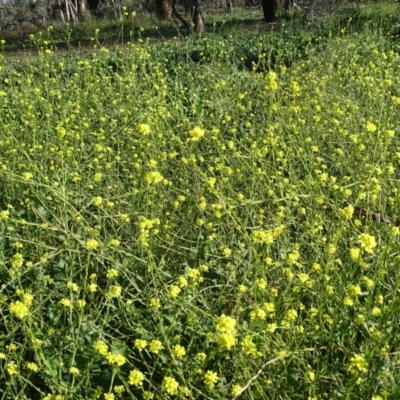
(259, 372)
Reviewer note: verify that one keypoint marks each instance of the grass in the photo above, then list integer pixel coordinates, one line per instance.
(207, 218)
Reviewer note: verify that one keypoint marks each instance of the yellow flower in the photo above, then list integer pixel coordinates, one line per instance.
(101, 348)
(119, 389)
(226, 340)
(371, 127)
(236, 390)
(92, 244)
(117, 359)
(358, 364)
(258, 313)
(309, 376)
(261, 283)
(17, 261)
(242, 288)
(248, 346)
(367, 242)
(348, 301)
(226, 252)
(295, 87)
(144, 129)
(98, 392)
(182, 282)
(12, 368)
(65, 303)
(147, 395)
(291, 315)
(27, 176)
(354, 253)
(80, 303)
(347, 212)
(124, 217)
(272, 82)
(154, 177)
(376, 311)
(155, 346)
(263, 236)
(74, 371)
(226, 324)
(136, 378)
(92, 287)
(194, 274)
(19, 309)
(369, 283)
(97, 176)
(155, 303)
(360, 319)
(170, 385)
(197, 133)
(174, 291)
(114, 291)
(179, 351)
(72, 286)
(293, 257)
(12, 347)
(210, 379)
(97, 201)
(4, 215)
(112, 273)
(140, 344)
(32, 366)
(354, 290)
(114, 243)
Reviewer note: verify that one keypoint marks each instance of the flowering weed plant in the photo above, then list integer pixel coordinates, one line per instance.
(181, 230)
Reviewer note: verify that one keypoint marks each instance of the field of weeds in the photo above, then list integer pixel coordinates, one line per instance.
(207, 219)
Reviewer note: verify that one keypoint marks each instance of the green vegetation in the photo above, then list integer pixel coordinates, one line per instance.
(208, 217)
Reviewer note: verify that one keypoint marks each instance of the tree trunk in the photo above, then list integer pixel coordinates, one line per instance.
(229, 7)
(81, 6)
(187, 5)
(67, 11)
(197, 18)
(61, 12)
(286, 4)
(118, 11)
(163, 9)
(269, 10)
(176, 15)
(73, 11)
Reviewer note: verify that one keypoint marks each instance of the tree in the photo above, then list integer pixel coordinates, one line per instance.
(163, 9)
(269, 9)
(286, 4)
(197, 18)
(81, 7)
(179, 17)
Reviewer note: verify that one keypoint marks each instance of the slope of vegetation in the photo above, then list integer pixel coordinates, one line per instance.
(208, 219)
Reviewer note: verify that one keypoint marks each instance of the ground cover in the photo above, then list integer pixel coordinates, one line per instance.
(209, 219)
